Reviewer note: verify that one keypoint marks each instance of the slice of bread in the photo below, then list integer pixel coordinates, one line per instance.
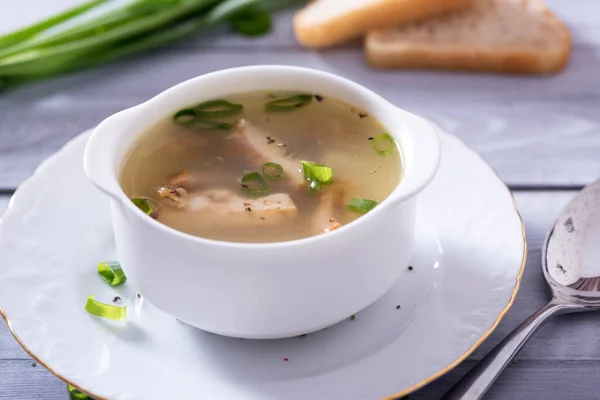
(325, 23)
(509, 36)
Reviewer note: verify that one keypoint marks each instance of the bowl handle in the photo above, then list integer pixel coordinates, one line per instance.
(99, 159)
(422, 154)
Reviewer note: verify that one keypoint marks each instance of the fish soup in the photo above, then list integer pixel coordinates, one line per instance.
(262, 167)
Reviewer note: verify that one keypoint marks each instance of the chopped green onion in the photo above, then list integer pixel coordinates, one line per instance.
(272, 171)
(112, 273)
(202, 115)
(143, 205)
(253, 23)
(316, 174)
(254, 183)
(384, 143)
(289, 103)
(75, 394)
(361, 206)
(105, 310)
(184, 117)
(217, 109)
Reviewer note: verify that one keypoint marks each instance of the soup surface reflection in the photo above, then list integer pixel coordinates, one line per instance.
(262, 167)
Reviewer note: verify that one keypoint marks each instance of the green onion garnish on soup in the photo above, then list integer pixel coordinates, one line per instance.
(289, 103)
(205, 115)
(217, 109)
(384, 143)
(143, 205)
(112, 273)
(253, 23)
(75, 394)
(189, 118)
(105, 310)
(254, 183)
(361, 206)
(272, 171)
(316, 174)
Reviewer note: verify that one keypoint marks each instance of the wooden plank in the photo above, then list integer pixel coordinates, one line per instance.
(534, 131)
(20, 380)
(547, 380)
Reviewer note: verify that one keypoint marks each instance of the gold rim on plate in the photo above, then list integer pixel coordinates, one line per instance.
(395, 396)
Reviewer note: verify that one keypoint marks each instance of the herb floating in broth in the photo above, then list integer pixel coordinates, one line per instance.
(270, 177)
(289, 103)
(272, 171)
(384, 143)
(105, 310)
(204, 115)
(361, 206)
(143, 205)
(254, 183)
(316, 174)
(217, 109)
(112, 273)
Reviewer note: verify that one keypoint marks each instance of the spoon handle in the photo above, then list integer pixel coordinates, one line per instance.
(480, 378)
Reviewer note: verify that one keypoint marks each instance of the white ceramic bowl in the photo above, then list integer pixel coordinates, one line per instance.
(269, 290)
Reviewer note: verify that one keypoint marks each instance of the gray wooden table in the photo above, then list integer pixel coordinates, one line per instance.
(542, 134)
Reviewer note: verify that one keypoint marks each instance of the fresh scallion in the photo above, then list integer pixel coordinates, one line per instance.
(254, 183)
(289, 103)
(27, 56)
(35, 29)
(75, 394)
(316, 174)
(189, 118)
(105, 310)
(361, 206)
(253, 23)
(384, 143)
(143, 204)
(217, 109)
(112, 273)
(202, 116)
(272, 171)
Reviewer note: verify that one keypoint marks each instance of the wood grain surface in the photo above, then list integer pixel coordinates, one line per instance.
(542, 134)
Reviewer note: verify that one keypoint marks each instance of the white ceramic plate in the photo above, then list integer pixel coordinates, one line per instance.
(466, 271)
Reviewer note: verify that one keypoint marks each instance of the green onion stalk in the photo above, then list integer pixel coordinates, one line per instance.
(31, 54)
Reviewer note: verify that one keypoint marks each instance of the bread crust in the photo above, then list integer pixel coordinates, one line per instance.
(355, 23)
(429, 56)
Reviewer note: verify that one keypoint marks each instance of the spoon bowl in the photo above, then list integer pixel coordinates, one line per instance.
(571, 266)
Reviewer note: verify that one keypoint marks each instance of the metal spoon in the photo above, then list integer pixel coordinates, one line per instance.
(571, 265)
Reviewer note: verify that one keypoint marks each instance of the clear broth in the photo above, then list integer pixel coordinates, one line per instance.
(211, 163)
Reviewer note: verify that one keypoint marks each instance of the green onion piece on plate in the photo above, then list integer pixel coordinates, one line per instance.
(272, 171)
(384, 143)
(112, 273)
(316, 174)
(254, 183)
(361, 206)
(253, 23)
(143, 205)
(75, 394)
(216, 109)
(105, 310)
(289, 103)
